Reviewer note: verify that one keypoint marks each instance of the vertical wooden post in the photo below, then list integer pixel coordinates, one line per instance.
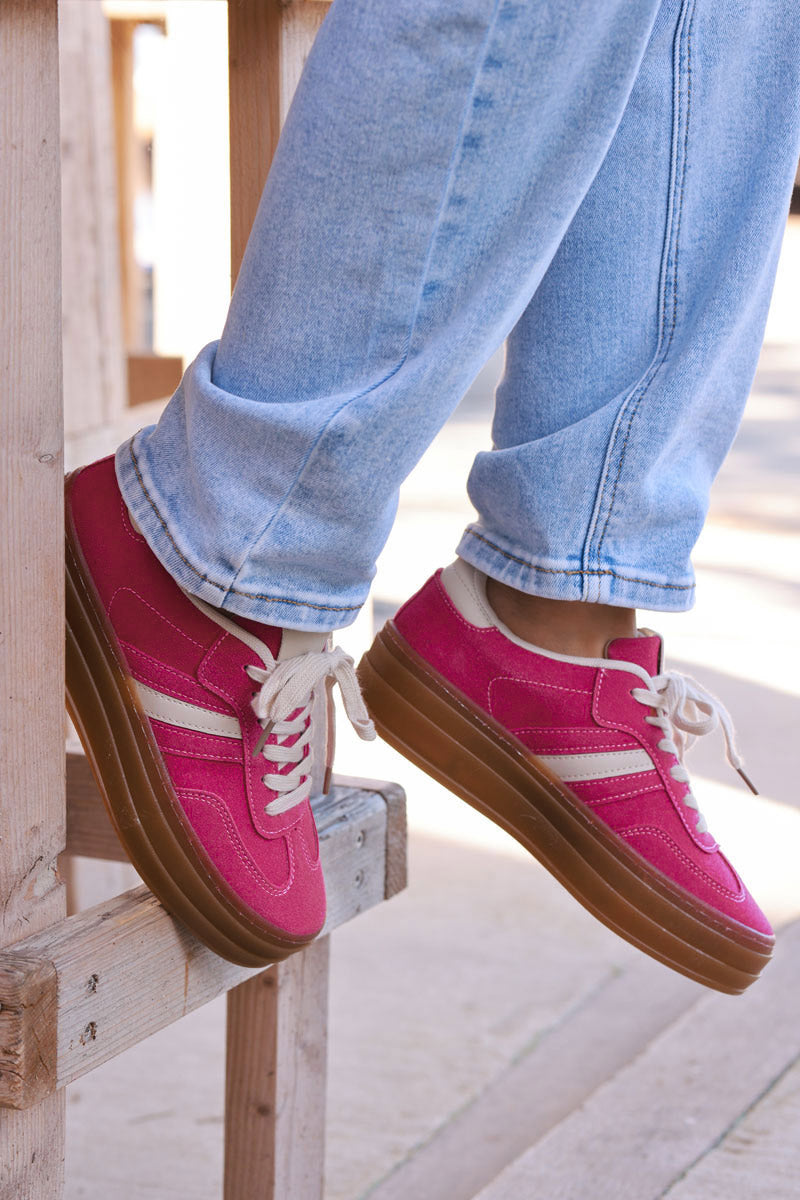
(275, 1081)
(268, 43)
(277, 1022)
(94, 365)
(31, 538)
(122, 76)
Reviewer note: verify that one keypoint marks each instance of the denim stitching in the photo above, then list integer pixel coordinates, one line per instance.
(460, 143)
(634, 409)
(634, 401)
(675, 587)
(221, 587)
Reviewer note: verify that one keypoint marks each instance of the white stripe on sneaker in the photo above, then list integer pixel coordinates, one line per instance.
(160, 707)
(578, 768)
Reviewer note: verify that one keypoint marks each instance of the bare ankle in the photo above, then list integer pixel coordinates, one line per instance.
(564, 626)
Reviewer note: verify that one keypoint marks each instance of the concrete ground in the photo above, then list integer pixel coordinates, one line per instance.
(476, 1011)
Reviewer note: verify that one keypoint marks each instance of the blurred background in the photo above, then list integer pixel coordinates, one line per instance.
(480, 1008)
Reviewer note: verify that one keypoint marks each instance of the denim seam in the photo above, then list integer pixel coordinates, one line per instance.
(583, 571)
(212, 582)
(669, 282)
(447, 192)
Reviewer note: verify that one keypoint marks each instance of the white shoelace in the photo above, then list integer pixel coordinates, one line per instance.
(288, 688)
(687, 711)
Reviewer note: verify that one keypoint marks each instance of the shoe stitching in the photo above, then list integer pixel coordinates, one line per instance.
(247, 744)
(667, 779)
(671, 249)
(681, 854)
(127, 524)
(599, 801)
(132, 708)
(471, 716)
(201, 753)
(133, 712)
(540, 683)
(591, 748)
(462, 620)
(220, 586)
(207, 704)
(600, 778)
(582, 572)
(123, 587)
(491, 700)
(188, 704)
(238, 846)
(313, 862)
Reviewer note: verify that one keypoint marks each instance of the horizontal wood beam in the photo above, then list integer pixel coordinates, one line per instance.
(91, 834)
(95, 984)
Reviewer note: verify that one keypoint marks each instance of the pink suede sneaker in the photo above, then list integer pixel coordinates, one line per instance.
(198, 727)
(580, 760)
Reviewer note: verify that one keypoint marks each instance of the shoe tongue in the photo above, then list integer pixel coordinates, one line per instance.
(645, 651)
(300, 641)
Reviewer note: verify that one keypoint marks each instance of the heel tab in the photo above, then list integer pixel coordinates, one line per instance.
(466, 587)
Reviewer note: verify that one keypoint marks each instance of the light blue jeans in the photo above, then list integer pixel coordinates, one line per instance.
(602, 182)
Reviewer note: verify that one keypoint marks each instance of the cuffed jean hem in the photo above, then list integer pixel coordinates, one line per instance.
(151, 515)
(622, 586)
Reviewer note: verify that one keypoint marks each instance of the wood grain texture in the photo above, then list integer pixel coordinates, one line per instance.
(125, 968)
(268, 43)
(675, 1102)
(122, 31)
(758, 1158)
(27, 1017)
(31, 547)
(275, 1081)
(361, 823)
(397, 828)
(89, 829)
(94, 381)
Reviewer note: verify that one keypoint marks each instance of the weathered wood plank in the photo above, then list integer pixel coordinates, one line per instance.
(31, 555)
(31, 504)
(122, 32)
(31, 565)
(759, 1157)
(89, 829)
(359, 838)
(397, 830)
(675, 1101)
(94, 380)
(126, 968)
(545, 1082)
(268, 43)
(276, 1060)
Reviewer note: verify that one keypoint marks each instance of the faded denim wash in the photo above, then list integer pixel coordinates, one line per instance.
(602, 182)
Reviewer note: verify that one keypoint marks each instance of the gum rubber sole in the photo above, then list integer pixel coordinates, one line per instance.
(130, 773)
(439, 729)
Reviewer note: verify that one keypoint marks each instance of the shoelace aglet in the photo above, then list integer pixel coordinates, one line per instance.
(262, 741)
(748, 781)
